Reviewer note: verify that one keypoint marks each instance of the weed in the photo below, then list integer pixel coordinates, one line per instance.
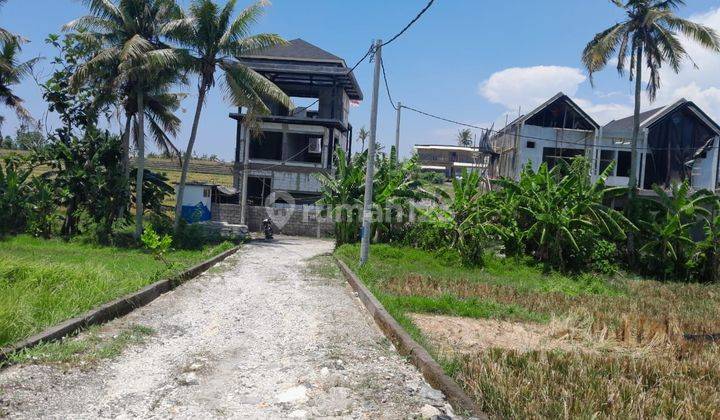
(88, 348)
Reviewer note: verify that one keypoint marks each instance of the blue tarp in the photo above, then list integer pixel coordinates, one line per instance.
(196, 213)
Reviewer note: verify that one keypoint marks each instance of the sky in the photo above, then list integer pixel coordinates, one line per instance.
(475, 61)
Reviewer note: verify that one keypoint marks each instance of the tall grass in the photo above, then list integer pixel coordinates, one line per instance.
(43, 282)
(641, 367)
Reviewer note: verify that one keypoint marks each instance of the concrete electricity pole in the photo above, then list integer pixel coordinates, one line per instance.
(369, 173)
(397, 132)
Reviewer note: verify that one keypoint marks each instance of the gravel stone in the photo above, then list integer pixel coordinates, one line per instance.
(260, 337)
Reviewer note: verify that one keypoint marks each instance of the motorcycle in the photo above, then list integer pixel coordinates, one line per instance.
(267, 229)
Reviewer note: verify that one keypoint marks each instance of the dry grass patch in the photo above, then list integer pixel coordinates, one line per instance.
(545, 345)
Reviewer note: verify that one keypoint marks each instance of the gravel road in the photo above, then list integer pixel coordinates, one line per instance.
(260, 336)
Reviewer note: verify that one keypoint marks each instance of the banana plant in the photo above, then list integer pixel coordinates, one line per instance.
(15, 174)
(559, 212)
(342, 195)
(458, 221)
(667, 225)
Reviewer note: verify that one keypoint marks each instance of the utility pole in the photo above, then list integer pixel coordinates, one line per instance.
(369, 173)
(246, 170)
(397, 133)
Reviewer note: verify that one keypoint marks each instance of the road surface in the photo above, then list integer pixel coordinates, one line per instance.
(261, 335)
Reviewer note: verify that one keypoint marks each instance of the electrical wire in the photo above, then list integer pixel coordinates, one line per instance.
(562, 142)
(412, 22)
(585, 144)
(387, 86)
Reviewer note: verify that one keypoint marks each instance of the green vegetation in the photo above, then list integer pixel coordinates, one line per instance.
(210, 39)
(626, 313)
(43, 282)
(395, 186)
(90, 347)
(322, 267)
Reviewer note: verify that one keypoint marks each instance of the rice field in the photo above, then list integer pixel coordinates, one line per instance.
(614, 346)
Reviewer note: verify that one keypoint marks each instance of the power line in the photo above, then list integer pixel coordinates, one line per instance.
(570, 142)
(387, 86)
(412, 22)
(369, 51)
(444, 119)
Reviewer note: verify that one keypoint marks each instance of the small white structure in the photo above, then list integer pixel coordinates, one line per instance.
(197, 202)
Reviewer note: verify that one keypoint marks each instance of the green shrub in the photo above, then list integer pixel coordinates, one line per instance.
(432, 178)
(559, 214)
(158, 245)
(603, 257)
(667, 248)
(15, 174)
(42, 214)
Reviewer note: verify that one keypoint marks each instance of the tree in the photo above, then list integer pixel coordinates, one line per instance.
(210, 40)
(12, 71)
(464, 138)
(84, 161)
(363, 134)
(651, 33)
(5, 35)
(134, 54)
(27, 138)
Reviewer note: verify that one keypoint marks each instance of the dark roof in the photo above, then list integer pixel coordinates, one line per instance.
(301, 63)
(558, 96)
(626, 124)
(299, 50)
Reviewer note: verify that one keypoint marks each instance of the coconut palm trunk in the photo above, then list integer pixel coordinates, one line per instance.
(125, 146)
(634, 160)
(632, 183)
(188, 153)
(139, 209)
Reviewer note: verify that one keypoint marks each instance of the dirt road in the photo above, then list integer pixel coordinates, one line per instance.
(266, 334)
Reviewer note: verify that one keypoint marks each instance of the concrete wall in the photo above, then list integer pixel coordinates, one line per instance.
(550, 137)
(301, 221)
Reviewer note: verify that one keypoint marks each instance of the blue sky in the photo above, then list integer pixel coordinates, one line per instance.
(471, 60)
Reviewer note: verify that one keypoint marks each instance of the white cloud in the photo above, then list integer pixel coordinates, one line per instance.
(528, 87)
(604, 113)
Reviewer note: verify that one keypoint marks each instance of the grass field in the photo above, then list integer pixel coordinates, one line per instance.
(43, 282)
(622, 352)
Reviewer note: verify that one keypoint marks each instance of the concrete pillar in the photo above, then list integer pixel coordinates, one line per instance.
(325, 147)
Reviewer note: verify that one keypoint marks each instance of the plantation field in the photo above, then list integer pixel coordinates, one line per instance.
(200, 170)
(525, 343)
(43, 282)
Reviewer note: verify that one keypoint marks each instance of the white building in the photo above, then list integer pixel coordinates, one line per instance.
(677, 142)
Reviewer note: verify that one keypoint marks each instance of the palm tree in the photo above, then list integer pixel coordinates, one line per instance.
(12, 71)
(464, 137)
(651, 33)
(6, 36)
(363, 134)
(131, 33)
(211, 39)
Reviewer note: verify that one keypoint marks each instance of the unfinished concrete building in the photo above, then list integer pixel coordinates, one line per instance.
(292, 145)
(677, 142)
